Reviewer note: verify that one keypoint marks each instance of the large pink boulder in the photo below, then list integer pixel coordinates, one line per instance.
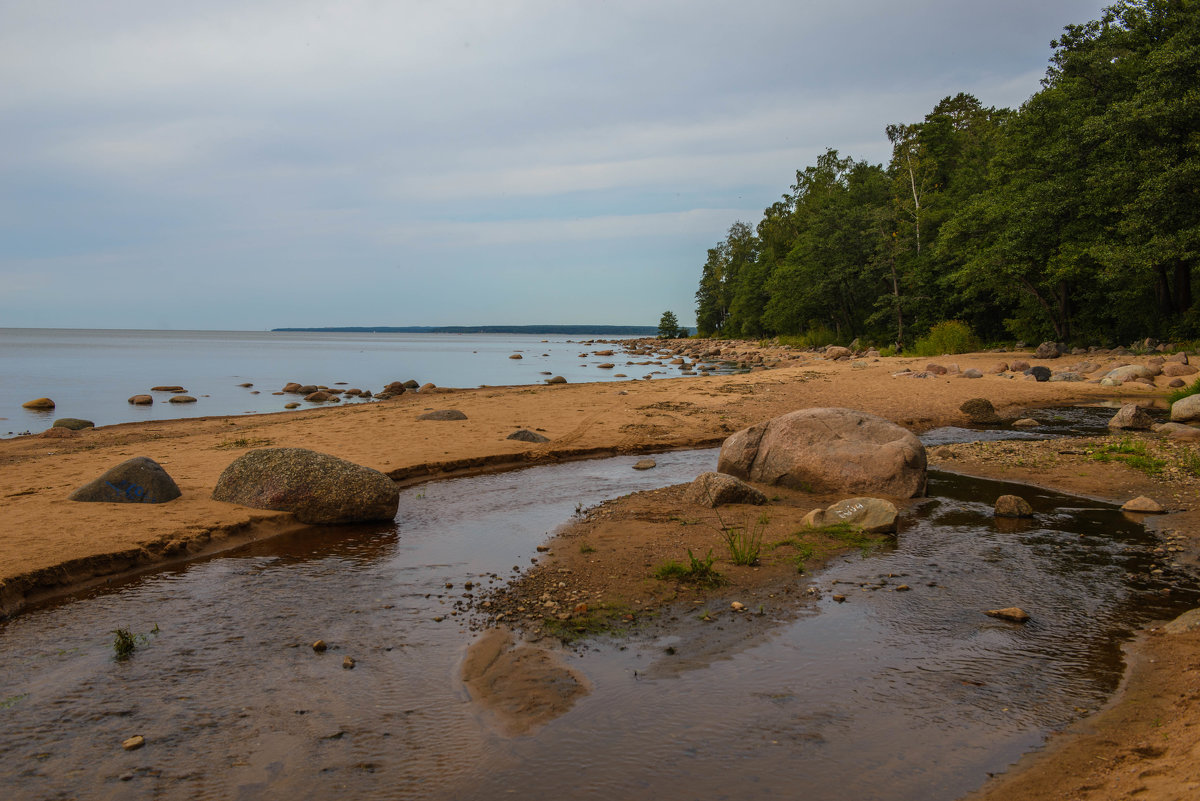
(827, 450)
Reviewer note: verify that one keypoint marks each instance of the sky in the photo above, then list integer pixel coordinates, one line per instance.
(251, 164)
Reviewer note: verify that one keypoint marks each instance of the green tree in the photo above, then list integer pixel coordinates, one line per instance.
(668, 326)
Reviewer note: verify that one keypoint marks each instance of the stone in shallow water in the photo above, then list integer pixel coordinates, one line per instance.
(873, 515)
(1012, 506)
(645, 464)
(1143, 505)
(1014, 613)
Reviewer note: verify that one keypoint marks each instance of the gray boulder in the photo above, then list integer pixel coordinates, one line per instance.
(1047, 350)
(525, 435)
(136, 480)
(1131, 416)
(1039, 373)
(828, 450)
(316, 487)
(1129, 372)
(873, 515)
(443, 414)
(1186, 409)
(717, 489)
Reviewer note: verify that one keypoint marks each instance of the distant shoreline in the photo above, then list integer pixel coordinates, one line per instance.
(604, 330)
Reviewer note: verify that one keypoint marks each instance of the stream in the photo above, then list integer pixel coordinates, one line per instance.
(888, 695)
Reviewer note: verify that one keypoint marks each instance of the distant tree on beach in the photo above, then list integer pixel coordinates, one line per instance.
(668, 327)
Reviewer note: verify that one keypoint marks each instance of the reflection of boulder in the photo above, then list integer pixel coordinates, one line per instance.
(316, 487)
(522, 687)
(828, 450)
(136, 480)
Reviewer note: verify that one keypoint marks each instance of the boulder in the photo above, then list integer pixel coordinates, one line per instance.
(292, 405)
(136, 480)
(998, 368)
(291, 387)
(1178, 431)
(1068, 376)
(182, 399)
(38, 403)
(1143, 505)
(316, 487)
(525, 435)
(1186, 409)
(645, 464)
(395, 388)
(1131, 416)
(1039, 373)
(717, 489)
(970, 372)
(411, 384)
(516, 356)
(936, 369)
(828, 450)
(605, 366)
(1175, 369)
(443, 414)
(142, 400)
(558, 379)
(1026, 422)
(428, 386)
(168, 388)
(1019, 366)
(1013, 613)
(320, 396)
(838, 352)
(73, 423)
(1012, 506)
(1047, 350)
(980, 411)
(873, 515)
(1129, 372)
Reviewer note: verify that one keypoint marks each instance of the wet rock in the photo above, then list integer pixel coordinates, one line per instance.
(319, 396)
(308, 389)
(38, 404)
(828, 450)
(605, 366)
(1047, 350)
(292, 387)
(181, 399)
(165, 388)
(1026, 422)
(1186, 409)
(1012, 506)
(246, 385)
(525, 435)
(558, 379)
(1131, 416)
(1013, 613)
(133, 743)
(1039, 373)
(136, 480)
(516, 356)
(980, 411)
(645, 464)
(873, 515)
(320, 646)
(348, 663)
(142, 400)
(316, 487)
(1143, 505)
(73, 423)
(292, 405)
(395, 388)
(717, 489)
(443, 414)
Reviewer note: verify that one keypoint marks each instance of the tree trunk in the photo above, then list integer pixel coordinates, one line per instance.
(1162, 290)
(1183, 286)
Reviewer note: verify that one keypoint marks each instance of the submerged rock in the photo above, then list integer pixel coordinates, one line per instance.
(1012, 506)
(316, 487)
(136, 480)
(645, 464)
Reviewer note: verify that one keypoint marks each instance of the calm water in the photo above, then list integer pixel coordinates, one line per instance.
(888, 696)
(92, 374)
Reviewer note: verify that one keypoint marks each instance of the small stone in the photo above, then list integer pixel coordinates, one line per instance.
(1026, 422)
(737, 606)
(292, 405)
(1013, 613)
(38, 403)
(903, 588)
(1012, 506)
(1143, 505)
(645, 464)
(348, 663)
(165, 388)
(516, 356)
(841, 599)
(320, 647)
(181, 399)
(134, 743)
(142, 400)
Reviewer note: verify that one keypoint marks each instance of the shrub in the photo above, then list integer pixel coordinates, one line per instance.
(699, 572)
(1183, 392)
(950, 336)
(814, 337)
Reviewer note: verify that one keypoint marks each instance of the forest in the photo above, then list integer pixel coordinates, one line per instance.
(1075, 218)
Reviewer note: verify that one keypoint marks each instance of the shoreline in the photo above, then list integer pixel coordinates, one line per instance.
(51, 547)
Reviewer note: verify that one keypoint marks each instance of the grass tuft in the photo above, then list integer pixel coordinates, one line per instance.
(699, 572)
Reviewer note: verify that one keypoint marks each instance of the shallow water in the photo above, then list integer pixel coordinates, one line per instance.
(890, 695)
(1056, 421)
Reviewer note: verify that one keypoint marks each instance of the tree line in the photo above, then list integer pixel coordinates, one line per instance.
(1074, 218)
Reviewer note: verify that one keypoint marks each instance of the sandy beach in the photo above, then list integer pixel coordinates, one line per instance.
(1143, 744)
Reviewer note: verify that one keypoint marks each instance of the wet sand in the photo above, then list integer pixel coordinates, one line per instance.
(50, 546)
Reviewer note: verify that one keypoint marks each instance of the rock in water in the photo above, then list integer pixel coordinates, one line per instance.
(142, 400)
(1012, 506)
(717, 489)
(645, 464)
(1131, 416)
(1144, 505)
(38, 403)
(1013, 613)
(828, 450)
(136, 480)
(980, 411)
(873, 515)
(525, 435)
(316, 487)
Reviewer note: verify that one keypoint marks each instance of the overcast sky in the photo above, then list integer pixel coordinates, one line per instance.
(248, 164)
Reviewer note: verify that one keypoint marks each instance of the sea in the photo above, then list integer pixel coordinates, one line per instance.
(91, 374)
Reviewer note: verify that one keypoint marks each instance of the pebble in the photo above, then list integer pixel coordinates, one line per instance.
(319, 646)
(1013, 613)
(134, 743)
(348, 663)
(737, 606)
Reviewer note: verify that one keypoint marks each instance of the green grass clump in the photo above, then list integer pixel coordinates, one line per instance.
(951, 336)
(820, 543)
(125, 642)
(745, 542)
(699, 572)
(602, 619)
(1183, 392)
(1130, 452)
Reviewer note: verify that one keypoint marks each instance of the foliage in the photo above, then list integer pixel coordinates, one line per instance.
(951, 336)
(1076, 217)
(125, 642)
(699, 571)
(1183, 392)
(745, 542)
(668, 327)
(1130, 452)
